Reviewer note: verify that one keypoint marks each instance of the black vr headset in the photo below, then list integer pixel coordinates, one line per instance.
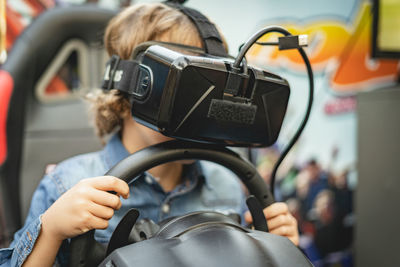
(201, 95)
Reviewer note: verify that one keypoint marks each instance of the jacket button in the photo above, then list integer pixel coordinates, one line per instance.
(165, 208)
(148, 179)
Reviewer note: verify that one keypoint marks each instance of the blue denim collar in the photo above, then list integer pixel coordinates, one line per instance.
(114, 152)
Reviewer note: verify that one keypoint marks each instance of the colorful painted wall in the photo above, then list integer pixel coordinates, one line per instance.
(339, 51)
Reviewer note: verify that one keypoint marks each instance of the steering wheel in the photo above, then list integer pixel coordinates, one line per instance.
(86, 251)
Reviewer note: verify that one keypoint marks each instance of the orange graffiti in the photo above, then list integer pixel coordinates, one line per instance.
(323, 46)
(356, 68)
(334, 48)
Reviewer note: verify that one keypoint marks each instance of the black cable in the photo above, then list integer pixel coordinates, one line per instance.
(303, 123)
(254, 39)
(236, 64)
(267, 43)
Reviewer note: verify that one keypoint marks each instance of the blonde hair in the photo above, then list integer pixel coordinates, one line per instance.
(134, 25)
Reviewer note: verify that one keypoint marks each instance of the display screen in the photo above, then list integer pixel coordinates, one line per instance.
(386, 29)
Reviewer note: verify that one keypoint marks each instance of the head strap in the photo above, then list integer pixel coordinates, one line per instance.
(208, 32)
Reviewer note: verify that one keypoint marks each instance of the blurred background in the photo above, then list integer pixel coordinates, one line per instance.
(341, 178)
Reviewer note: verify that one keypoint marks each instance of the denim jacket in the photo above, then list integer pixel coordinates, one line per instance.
(205, 186)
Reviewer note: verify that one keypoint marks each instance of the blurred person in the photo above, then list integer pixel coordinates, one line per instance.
(287, 185)
(303, 181)
(343, 194)
(331, 235)
(324, 207)
(266, 159)
(318, 182)
(294, 207)
(67, 203)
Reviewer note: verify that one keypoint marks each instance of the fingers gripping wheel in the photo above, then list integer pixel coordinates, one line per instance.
(83, 251)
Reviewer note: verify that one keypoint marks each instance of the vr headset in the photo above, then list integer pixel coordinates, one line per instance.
(199, 95)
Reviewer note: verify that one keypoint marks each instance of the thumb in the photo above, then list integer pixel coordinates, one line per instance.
(247, 217)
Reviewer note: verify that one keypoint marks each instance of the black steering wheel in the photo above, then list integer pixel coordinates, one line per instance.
(85, 251)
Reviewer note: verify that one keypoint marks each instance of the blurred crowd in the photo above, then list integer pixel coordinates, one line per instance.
(322, 202)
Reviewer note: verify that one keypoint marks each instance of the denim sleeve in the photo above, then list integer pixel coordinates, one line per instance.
(243, 208)
(24, 240)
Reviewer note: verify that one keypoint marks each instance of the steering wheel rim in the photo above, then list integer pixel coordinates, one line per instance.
(145, 159)
(85, 251)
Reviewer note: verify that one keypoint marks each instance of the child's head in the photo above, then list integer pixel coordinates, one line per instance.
(134, 25)
(148, 22)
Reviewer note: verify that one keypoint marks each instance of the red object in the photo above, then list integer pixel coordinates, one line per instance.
(6, 88)
(15, 21)
(340, 106)
(14, 26)
(56, 86)
(37, 7)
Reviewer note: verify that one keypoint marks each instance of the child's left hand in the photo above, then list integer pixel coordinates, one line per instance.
(280, 221)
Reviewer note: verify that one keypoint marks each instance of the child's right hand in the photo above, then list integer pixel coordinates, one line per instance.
(85, 206)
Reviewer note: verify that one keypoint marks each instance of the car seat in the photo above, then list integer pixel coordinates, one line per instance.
(42, 121)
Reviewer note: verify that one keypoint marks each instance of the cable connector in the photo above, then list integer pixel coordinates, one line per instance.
(292, 41)
(236, 81)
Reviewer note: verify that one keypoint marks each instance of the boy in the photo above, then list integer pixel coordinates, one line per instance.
(67, 204)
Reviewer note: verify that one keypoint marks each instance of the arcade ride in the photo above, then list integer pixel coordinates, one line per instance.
(237, 105)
